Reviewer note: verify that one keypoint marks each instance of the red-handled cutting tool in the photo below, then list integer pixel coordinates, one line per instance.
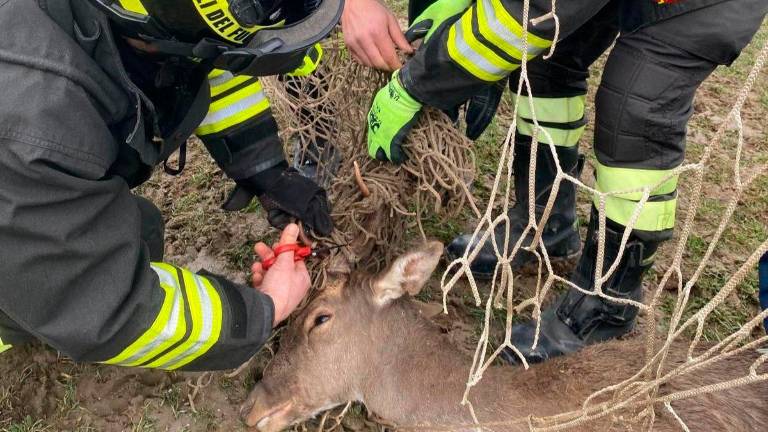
(300, 252)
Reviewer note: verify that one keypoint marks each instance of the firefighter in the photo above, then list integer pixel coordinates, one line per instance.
(95, 94)
(662, 53)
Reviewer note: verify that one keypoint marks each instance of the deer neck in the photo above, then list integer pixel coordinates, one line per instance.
(420, 379)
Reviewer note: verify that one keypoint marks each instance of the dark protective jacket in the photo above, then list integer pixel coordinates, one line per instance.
(78, 127)
(485, 44)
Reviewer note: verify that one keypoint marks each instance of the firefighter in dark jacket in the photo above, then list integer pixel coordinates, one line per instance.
(663, 52)
(95, 94)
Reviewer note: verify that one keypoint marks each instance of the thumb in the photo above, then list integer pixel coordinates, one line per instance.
(290, 235)
(397, 35)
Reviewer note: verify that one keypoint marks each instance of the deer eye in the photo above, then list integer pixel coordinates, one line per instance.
(321, 319)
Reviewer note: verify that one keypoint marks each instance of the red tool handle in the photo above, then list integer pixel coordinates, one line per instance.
(299, 253)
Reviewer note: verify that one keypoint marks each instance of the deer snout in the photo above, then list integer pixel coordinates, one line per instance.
(265, 412)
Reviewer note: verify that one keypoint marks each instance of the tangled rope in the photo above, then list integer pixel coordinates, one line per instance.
(373, 208)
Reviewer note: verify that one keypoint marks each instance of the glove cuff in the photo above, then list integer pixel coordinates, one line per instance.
(400, 94)
(264, 180)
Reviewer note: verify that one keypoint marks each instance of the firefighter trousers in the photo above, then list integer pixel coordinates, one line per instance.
(642, 106)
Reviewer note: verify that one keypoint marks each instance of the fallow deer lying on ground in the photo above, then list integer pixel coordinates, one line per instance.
(365, 340)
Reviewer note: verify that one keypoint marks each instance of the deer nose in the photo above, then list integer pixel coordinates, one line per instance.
(262, 413)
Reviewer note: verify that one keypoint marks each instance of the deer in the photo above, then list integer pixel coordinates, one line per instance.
(362, 338)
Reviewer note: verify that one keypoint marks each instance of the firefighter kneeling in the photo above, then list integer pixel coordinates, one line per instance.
(95, 94)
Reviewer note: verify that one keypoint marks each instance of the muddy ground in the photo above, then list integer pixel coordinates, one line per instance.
(43, 391)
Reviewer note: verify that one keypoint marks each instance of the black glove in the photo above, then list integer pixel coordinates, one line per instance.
(286, 195)
(481, 108)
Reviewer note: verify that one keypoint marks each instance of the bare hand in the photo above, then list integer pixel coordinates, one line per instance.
(286, 282)
(371, 33)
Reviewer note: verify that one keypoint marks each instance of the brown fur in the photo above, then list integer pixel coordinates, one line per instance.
(405, 370)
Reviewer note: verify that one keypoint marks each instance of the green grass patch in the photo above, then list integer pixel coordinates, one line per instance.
(28, 425)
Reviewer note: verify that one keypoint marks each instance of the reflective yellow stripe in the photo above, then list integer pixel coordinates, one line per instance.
(168, 328)
(215, 73)
(134, 6)
(212, 320)
(472, 55)
(502, 30)
(610, 179)
(655, 216)
(216, 15)
(553, 110)
(234, 109)
(4, 347)
(205, 326)
(226, 82)
(560, 137)
(508, 21)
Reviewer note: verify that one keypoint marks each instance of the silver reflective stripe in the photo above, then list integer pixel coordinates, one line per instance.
(503, 32)
(221, 79)
(166, 278)
(473, 56)
(230, 110)
(206, 313)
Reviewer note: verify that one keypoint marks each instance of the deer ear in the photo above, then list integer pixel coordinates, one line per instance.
(407, 274)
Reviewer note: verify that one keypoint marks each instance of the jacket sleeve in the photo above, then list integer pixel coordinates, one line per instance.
(74, 270)
(239, 130)
(484, 45)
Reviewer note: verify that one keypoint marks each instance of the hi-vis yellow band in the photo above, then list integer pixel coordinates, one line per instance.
(561, 118)
(134, 6)
(4, 347)
(487, 41)
(552, 110)
(656, 215)
(216, 14)
(172, 341)
(555, 136)
(235, 99)
(311, 62)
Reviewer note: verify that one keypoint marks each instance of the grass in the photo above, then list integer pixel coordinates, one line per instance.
(173, 399)
(145, 423)
(69, 402)
(205, 418)
(28, 425)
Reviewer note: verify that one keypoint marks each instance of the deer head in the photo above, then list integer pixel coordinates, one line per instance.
(343, 339)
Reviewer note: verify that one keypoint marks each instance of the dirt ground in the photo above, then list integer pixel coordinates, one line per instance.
(43, 391)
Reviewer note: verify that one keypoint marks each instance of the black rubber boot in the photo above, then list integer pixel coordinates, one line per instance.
(561, 234)
(576, 319)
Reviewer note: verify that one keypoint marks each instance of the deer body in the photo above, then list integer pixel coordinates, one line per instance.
(365, 340)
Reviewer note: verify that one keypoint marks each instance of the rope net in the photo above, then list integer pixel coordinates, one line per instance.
(375, 206)
(372, 208)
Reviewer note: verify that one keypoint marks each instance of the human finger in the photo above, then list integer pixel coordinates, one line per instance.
(263, 251)
(290, 234)
(396, 33)
(372, 51)
(257, 275)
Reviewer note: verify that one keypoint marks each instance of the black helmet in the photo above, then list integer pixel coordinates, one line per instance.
(252, 37)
